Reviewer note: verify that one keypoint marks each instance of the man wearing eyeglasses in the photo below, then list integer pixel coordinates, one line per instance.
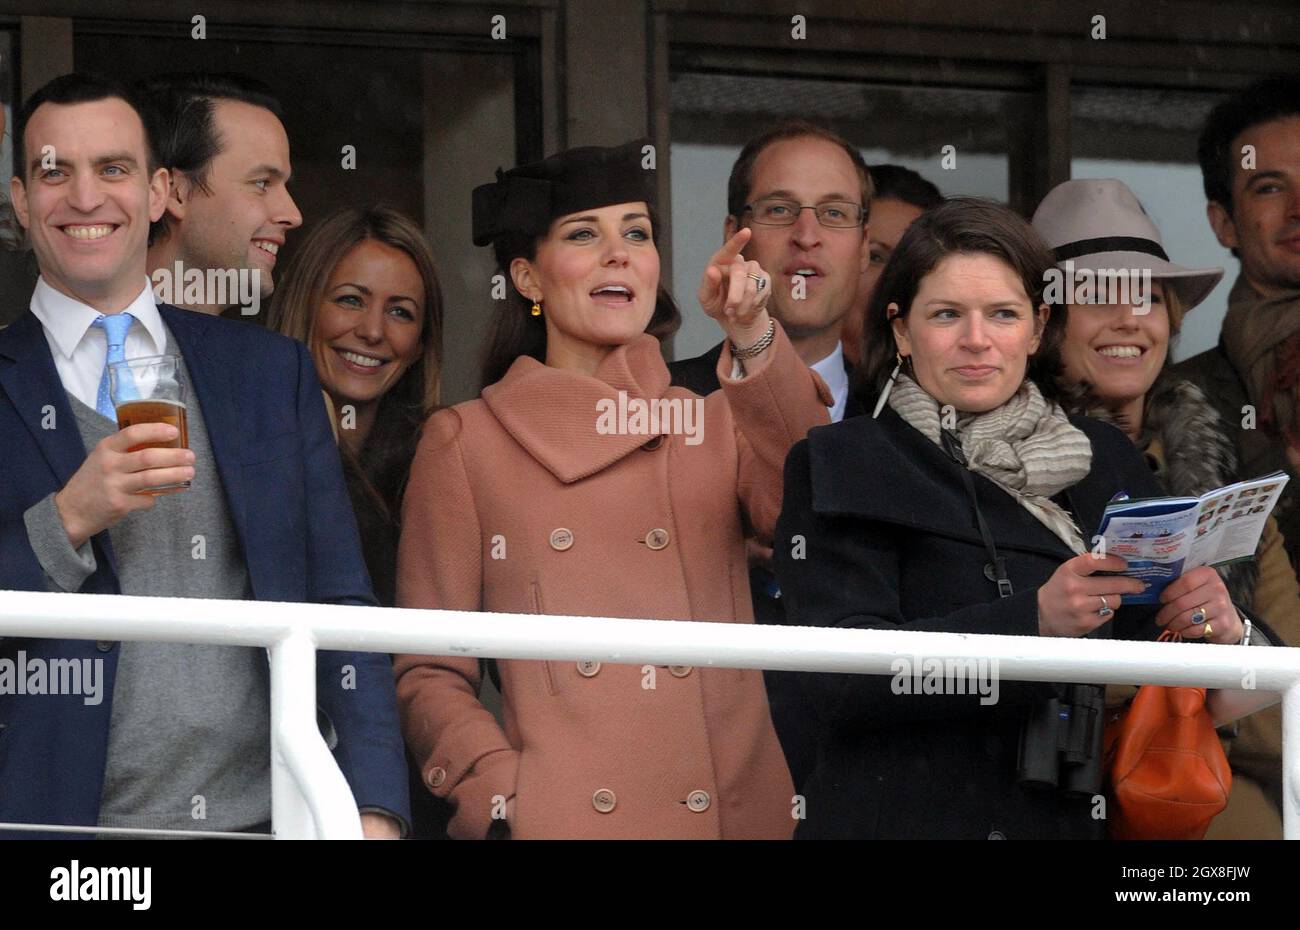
(804, 192)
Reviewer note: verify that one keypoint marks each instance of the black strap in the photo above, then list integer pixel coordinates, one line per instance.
(1109, 244)
(996, 570)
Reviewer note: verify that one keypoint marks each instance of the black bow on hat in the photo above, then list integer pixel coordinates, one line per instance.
(526, 199)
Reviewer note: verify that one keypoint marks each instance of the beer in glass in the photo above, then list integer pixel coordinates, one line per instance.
(151, 390)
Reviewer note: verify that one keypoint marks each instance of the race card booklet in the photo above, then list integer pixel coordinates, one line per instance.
(1163, 537)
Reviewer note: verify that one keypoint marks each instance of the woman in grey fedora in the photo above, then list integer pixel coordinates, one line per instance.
(1116, 365)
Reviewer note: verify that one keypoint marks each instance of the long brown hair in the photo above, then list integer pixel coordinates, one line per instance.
(386, 457)
(515, 332)
(960, 225)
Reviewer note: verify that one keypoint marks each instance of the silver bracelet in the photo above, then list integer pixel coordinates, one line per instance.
(757, 348)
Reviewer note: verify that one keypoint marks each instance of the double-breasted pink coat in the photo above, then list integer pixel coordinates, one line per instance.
(524, 501)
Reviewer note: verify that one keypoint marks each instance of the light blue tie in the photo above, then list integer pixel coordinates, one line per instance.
(115, 327)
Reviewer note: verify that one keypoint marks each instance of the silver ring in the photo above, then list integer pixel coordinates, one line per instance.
(1105, 608)
(1198, 615)
(760, 281)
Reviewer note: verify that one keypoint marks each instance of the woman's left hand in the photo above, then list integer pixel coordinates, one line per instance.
(1201, 589)
(735, 292)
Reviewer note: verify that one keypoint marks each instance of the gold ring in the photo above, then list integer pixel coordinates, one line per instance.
(1209, 628)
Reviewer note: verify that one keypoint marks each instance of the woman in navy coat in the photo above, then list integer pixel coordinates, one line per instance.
(967, 504)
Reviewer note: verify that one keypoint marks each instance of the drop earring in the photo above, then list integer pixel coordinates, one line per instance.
(537, 308)
(889, 386)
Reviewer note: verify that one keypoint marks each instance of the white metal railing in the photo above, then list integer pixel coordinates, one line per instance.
(311, 799)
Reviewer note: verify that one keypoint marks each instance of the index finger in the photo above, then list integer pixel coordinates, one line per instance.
(727, 254)
(1088, 564)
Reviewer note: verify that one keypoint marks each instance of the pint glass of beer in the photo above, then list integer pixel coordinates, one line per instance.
(151, 390)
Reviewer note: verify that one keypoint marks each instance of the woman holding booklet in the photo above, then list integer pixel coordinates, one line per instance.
(1116, 362)
(983, 526)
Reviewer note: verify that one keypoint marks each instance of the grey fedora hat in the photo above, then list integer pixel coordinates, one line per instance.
(1097, 223)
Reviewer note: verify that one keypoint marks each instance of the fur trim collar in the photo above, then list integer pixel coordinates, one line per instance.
(1189, 449)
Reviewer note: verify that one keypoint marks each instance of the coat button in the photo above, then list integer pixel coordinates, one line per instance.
(437, 775)
(679, 671)
(603, 800)
(561, 539)
(588, 668)
(653, 444)
(104, 646)
(656, 538)
(997, 835)
(698, 801)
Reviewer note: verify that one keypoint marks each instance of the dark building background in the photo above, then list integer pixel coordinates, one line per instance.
(434, 96)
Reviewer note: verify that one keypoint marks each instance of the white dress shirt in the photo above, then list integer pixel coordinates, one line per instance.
(831, 368)
(79, 348)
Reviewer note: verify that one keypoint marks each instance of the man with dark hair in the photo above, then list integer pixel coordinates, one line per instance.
(229, 209)
(804, 193)
(1250, 165)
(178, 738)
(901, 196)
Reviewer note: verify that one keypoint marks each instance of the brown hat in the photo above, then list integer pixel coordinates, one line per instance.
(1097, 223)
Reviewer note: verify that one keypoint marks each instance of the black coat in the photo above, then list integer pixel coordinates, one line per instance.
(891, 542)
(700, 374)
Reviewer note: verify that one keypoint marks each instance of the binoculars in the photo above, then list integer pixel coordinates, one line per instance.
(1061, 742)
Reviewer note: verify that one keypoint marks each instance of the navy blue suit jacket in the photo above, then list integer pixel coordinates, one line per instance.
(279, 470)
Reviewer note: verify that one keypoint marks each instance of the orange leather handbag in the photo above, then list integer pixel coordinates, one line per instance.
(1167, 772)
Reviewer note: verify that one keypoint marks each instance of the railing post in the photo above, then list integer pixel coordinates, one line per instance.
(1291, 763)
(309, 797)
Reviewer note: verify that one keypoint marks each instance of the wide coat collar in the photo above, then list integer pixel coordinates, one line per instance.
(884, 469)
(554, 413)
(28, 376)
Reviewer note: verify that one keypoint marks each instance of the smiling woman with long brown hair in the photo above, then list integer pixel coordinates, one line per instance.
(363, 294)
(1117, 362)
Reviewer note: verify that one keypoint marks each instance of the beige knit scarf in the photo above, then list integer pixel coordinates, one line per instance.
(1027, 447)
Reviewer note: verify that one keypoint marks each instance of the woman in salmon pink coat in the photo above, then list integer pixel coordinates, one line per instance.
(581, 483)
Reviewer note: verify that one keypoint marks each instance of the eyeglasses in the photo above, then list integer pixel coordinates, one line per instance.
(836, 214)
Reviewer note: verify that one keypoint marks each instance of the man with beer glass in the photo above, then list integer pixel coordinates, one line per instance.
(107, 401)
